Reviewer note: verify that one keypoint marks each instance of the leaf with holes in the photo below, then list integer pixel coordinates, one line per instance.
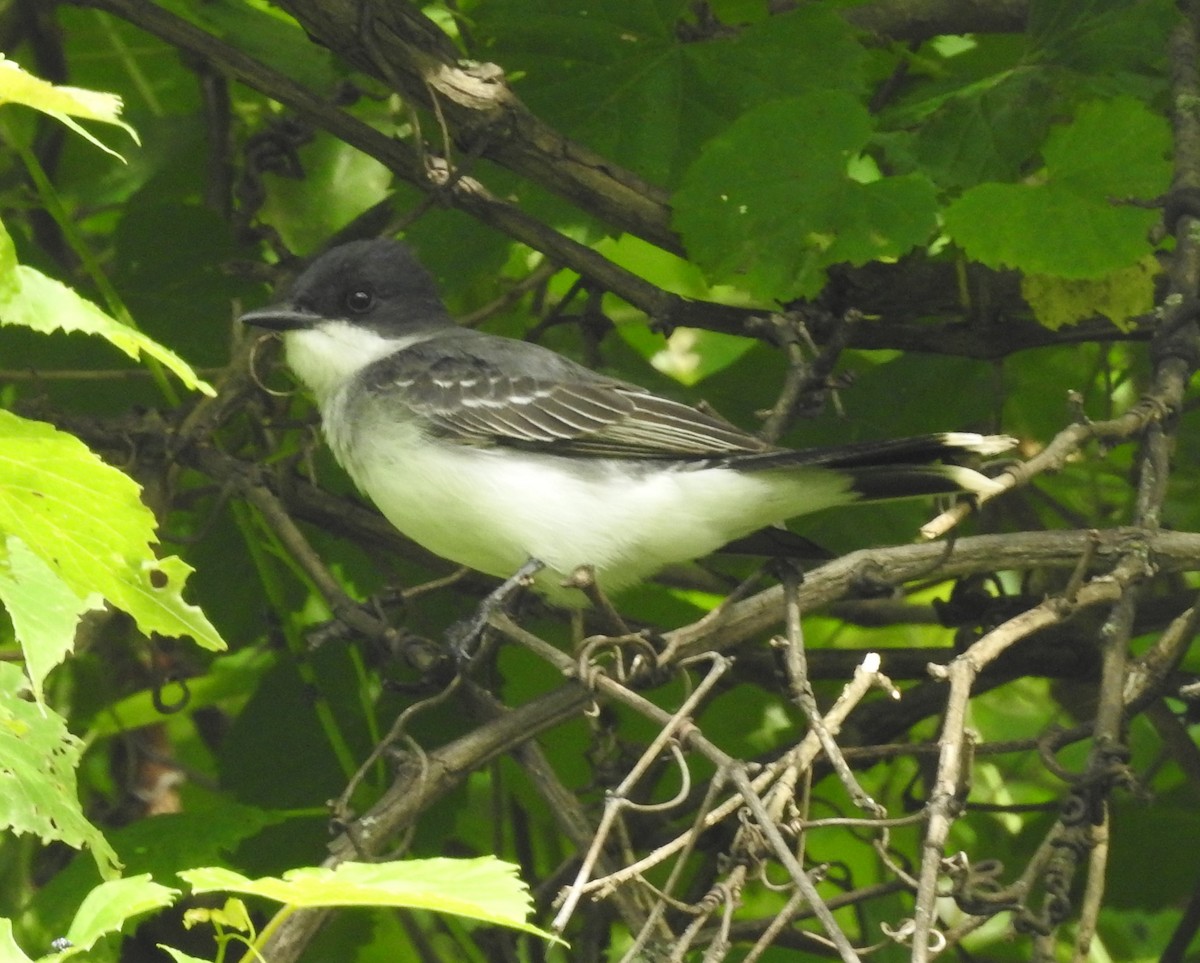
(86, 522)
(38, 758)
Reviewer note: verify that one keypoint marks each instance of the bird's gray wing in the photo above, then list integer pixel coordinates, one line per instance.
(490, 391)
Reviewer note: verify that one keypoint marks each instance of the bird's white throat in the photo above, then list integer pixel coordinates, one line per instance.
(326, 356)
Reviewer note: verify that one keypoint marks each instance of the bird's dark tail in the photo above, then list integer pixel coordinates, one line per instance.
(896, 468)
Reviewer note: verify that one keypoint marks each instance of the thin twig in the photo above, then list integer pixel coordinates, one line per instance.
(799, 758)
(618, 798)
(944, 801)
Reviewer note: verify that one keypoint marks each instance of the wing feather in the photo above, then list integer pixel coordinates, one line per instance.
(472, 399)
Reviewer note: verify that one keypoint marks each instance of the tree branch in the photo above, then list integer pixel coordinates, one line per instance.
(412, 52)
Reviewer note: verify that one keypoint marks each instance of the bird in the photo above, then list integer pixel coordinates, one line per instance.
(498, 454)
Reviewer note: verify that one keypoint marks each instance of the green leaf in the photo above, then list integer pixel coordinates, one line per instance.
(485, 889)
(688, 355)
(84, 519)
(20, 87)
(38, 759)
(1069, 225)
(202, 837)
(197, 838)
(987, 131)
(268, 34)
(233, 916)
(1115, 148)
(43, 608)
(1118, 296)
(644, 86)
(9, 951)
(339, 183)
(881, 219)
(179, 956)
(33, 300)
(111, 905)
(1101, 36)
(774, 219)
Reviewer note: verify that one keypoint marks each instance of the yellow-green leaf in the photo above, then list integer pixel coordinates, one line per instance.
(1118, 295)
(18, 86)
(108, 907)
(33, 300)
(38, 759)
(43, 608)
(9, 951)
(85, 520)
(484, 889)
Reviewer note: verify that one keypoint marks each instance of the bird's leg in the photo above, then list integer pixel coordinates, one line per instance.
(464, 636)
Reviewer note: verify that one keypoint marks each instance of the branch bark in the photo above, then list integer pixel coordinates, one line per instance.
(396, 43)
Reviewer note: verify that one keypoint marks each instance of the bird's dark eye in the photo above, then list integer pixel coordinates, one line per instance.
(360, 300)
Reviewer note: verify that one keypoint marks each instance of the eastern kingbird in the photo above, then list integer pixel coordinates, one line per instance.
(491, 452)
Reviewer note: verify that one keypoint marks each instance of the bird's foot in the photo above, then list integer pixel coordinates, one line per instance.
(466, 636)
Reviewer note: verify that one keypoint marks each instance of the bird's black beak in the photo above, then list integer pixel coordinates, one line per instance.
(280, 317)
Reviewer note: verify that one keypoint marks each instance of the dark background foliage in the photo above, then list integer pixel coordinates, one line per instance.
(853, 222)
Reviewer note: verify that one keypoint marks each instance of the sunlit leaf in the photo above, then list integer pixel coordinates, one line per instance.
(18, 86)
(43, 608)
(85, 520)
(484, 889)
(34, 300)
(111, 905)
(38, 758)
(9, 951)
(1118, 296)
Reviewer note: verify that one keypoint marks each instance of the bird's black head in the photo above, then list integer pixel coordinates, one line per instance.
(378, 284)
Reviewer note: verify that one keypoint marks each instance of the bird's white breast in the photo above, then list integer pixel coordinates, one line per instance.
(494, 508)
